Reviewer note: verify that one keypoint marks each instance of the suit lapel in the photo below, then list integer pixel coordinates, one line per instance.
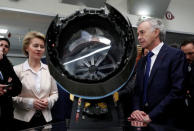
(157, 62)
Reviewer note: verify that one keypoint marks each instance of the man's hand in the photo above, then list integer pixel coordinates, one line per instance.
(147, 119)
(141, 116)
(138, 115)
(3, 89)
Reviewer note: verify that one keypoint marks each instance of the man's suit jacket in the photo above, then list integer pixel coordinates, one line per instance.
(165, 88)
(48, 89)
(189, 85)
(6, 104)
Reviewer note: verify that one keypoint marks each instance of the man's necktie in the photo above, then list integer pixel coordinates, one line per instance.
(146, 76)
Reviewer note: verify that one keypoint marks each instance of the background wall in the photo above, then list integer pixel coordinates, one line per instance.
(182, 10)
(25, 15)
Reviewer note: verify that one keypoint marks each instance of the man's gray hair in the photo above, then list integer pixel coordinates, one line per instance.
(156, 24)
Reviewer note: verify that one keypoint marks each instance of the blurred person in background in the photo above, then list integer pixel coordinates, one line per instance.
(144, 51)
(10, 86)
(188, 48)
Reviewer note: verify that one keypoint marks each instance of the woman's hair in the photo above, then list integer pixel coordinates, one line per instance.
(28, 37)
(156, 24)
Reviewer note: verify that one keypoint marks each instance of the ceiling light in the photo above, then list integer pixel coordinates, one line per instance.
(143, 12)
(3, 31)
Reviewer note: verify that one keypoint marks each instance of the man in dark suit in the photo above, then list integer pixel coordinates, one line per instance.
(160, 75)
(188, 48)
(10, 86)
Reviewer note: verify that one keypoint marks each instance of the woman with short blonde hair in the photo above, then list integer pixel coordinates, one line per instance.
(39, 89)
(28, 37)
